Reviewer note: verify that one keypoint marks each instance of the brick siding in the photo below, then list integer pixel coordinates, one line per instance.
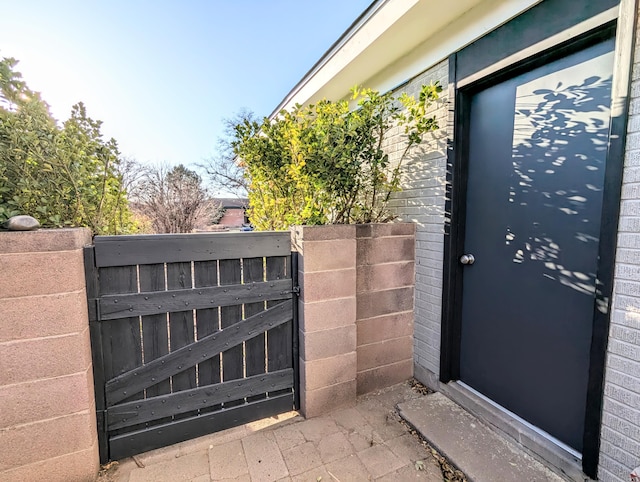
(422, 201)
(620, 442)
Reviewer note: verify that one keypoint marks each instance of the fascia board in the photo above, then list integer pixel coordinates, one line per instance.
(395, 40)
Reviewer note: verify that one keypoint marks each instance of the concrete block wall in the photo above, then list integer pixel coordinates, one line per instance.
(620, 433)
(47, 408)
(327, 313)
(422, 201)
(385, 277)
(355, 310)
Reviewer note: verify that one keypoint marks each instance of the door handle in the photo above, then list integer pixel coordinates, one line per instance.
(467, 259)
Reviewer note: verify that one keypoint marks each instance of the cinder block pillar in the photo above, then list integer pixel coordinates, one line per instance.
(385, 293)
(47, 407)
(327, 308)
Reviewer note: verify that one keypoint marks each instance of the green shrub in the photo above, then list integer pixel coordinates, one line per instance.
(61, 175)
(325, 163)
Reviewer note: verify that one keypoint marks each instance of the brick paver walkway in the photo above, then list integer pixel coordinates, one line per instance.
(366, 442)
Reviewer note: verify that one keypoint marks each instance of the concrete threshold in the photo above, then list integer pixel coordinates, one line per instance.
(473, 447)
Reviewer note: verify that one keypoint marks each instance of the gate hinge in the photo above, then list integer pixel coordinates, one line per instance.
(93, 305)
(101, 416)
(295, 290)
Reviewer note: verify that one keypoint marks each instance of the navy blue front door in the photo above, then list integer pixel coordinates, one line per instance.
(536, 163)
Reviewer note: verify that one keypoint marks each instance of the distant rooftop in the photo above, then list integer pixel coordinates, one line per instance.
(232, 202)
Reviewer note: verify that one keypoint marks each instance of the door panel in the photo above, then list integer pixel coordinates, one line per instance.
(537, 151)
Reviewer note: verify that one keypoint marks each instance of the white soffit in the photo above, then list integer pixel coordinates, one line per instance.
(394, 40)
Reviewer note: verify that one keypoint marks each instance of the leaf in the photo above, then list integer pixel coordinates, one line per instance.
(323, 163)
(591, 80)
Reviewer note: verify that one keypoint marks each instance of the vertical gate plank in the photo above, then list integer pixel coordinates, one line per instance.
(95, 330)
(181, 330)
(253, 271)
(155, 337)
(123, 344)
(207, 322)
(232, 359)
(279, 339)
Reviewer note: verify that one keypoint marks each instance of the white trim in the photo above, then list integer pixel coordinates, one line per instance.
(460, 32)
(395, 40)
(329, 54)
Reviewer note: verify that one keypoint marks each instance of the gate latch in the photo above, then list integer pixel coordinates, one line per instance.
(295, 290)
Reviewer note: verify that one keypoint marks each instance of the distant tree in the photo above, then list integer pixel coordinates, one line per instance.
(62, 175)
(224, 172)
(218, 212)
(173, 199)
(12, 87)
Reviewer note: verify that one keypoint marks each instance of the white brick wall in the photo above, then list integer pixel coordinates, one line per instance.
(620, 434)
(422, 201)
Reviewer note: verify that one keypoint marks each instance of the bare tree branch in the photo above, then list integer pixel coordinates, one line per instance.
(173, 199)
(224, 172)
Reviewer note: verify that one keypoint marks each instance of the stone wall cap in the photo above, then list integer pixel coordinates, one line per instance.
(385, 229)
(63, 239)
(325, 232)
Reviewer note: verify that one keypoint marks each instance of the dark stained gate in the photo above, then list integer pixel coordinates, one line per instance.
(191, 334)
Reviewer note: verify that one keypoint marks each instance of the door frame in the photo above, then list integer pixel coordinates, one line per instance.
(583, 34)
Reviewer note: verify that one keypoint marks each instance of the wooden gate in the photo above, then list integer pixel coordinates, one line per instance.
(191, 334)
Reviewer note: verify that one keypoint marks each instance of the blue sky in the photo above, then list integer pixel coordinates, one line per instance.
(162, 75)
